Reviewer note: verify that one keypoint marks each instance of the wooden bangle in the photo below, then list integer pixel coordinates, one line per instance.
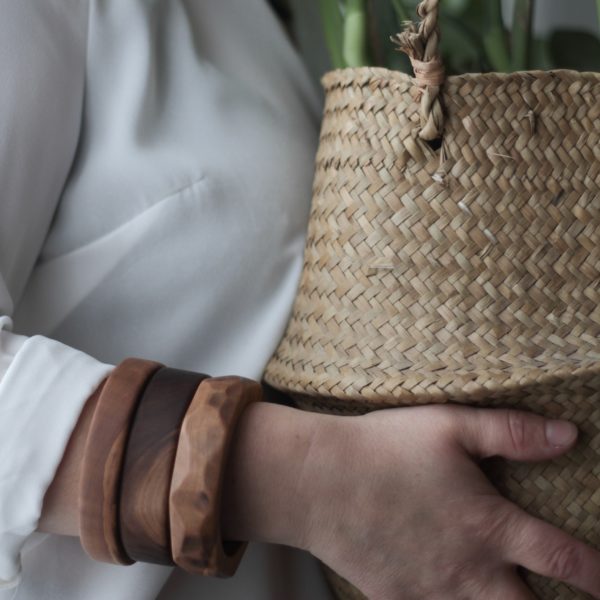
(103, 460)
(144, 504)
(195, 498)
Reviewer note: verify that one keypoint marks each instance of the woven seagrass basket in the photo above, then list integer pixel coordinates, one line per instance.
(453, 255)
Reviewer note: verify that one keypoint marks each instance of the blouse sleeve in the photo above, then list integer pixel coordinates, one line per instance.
(43, 383)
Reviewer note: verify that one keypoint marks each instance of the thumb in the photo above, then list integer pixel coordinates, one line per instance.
(513, 434)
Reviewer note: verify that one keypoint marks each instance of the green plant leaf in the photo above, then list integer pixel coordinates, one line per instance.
(354, 45)
(457, 7)
(384, 23)
(521, 34)
(461, 49)
(540, 55)
(474, 37)
(495, 39)
(402, 13)
(333, 28)
(575, 50)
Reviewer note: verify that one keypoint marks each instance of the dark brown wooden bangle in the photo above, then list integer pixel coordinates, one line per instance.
(103, 460)
(149, 458)
(195, 499)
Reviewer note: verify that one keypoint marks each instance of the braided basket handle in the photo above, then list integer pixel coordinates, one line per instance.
(422, 44)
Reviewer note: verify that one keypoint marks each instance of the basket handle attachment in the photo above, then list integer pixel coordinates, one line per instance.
(422, 45)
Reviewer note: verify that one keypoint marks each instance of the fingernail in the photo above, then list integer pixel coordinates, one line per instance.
(560, 433)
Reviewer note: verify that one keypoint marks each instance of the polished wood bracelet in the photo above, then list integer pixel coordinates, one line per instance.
(196, 487)
(103, 459)
(149, 458)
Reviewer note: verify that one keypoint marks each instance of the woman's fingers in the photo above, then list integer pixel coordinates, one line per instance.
(527, 541)
(550, 552)
(513, 434)
(509, 585)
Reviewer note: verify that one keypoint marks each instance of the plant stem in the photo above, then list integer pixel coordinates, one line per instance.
(355, 34)
(495, 41)
(521, 34)
(333, 26)
(375, 37)
(402, 13)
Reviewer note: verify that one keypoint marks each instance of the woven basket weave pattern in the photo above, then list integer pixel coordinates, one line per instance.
(467, 274)
(453, 283)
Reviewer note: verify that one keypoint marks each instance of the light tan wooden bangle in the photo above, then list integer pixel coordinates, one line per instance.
(195, 497)
(103, 460)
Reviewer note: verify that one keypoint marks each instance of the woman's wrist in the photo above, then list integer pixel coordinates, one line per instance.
(273, 478)
(60, 510)
(271, 486)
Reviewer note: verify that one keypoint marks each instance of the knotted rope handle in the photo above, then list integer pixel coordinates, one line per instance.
(422, 44)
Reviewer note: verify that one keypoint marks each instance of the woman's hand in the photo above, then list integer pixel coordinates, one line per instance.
(401, 509)
(394, 500)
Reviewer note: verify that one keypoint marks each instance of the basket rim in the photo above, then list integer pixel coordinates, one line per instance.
(347, 76)
(466, 386)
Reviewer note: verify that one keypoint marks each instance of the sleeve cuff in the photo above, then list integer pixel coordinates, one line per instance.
(42, 393)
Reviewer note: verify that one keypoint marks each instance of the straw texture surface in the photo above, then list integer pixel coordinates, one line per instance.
(468, 273)
(457, 273)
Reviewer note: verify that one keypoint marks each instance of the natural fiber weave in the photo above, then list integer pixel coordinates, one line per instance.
(424, 282)
(468, 273)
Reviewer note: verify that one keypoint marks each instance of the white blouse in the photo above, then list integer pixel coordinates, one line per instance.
(156, 159)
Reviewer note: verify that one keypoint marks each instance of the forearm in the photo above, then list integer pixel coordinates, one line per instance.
(265, 497)
(60, 511)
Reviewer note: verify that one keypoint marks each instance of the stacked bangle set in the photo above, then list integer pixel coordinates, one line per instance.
(153, 467)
